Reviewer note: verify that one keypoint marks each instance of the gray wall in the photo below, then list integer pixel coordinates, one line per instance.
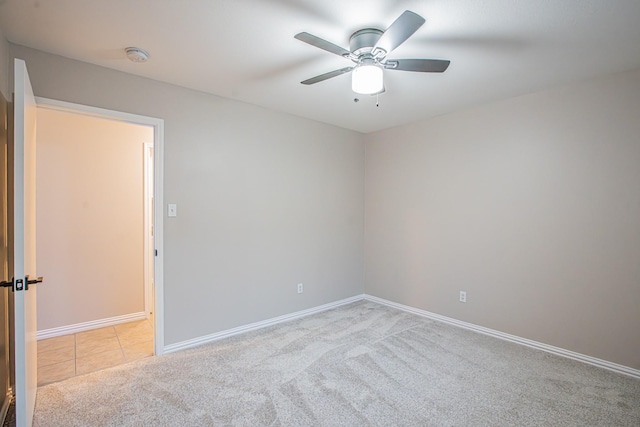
(531, 205)
(5, 68)
(265, 200)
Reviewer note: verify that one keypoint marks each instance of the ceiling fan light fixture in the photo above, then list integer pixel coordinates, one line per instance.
(369, 50)
(367, 79)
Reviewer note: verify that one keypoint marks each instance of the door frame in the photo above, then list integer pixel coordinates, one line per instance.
(147, 180)
(158, 190)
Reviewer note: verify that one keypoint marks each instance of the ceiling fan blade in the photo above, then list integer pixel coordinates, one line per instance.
(321, 43)
(325, 76)
(419, 65)
(398, 32)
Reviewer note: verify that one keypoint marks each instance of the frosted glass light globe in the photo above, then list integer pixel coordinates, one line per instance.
(367, 79)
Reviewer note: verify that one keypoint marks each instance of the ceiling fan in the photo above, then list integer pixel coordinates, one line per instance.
(369, 50)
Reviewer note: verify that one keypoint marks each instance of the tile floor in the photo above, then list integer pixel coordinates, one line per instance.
(66, 356)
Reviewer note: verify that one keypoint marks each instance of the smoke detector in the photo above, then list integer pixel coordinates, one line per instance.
(135, 54)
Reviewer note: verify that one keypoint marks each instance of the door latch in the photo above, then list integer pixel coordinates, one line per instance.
(15, 285)
(20, 284)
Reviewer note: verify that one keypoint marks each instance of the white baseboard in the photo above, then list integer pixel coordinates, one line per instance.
(257, 325)
(621, 369)
(87, 326)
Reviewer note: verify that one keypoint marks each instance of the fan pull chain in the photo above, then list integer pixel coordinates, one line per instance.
(378, 99)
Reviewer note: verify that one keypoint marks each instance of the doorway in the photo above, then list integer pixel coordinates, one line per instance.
(98, 208)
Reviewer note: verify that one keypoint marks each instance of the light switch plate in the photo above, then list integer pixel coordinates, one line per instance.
(172, 210)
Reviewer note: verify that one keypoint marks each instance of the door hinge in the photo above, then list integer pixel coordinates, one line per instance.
(156, 252)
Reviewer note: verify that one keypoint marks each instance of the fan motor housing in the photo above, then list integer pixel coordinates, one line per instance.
(362, 41)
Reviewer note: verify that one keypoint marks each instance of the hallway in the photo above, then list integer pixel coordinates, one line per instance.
(66, 356)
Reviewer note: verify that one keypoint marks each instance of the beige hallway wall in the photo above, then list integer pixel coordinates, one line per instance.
(530, 205)
(89, 218)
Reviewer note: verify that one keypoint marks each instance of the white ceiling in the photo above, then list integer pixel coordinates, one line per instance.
(245, 50)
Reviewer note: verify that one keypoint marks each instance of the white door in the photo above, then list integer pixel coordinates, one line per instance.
(24, 264)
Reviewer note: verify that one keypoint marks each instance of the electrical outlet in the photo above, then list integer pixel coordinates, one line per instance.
(300, 288)
(463, 296)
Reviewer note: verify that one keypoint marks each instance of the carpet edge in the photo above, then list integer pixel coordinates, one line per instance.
(558, 351)
(205, 339)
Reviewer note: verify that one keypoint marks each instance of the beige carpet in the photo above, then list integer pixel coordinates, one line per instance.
(357, 365)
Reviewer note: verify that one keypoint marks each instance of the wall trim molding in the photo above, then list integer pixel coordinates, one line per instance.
(600, 363)
(87, 326)
(194, 342)
(620, 369)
